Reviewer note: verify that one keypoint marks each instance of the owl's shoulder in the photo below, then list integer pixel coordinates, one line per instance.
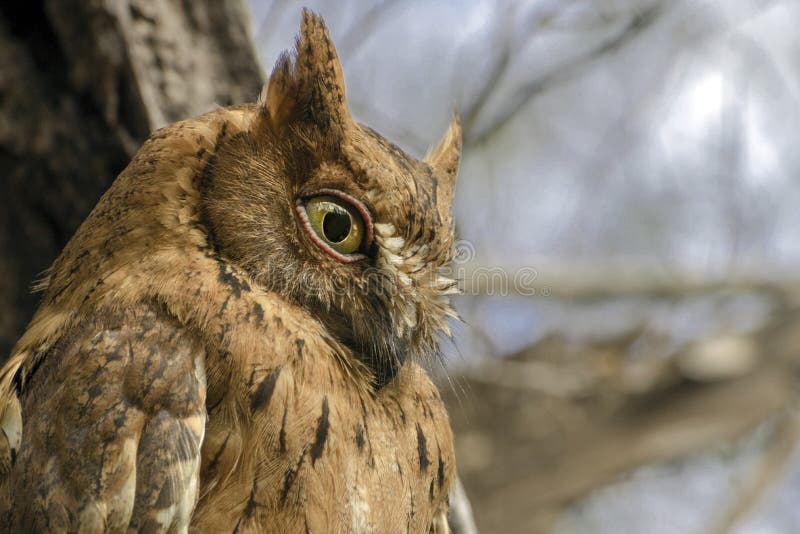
(141, 348)
(121, 391)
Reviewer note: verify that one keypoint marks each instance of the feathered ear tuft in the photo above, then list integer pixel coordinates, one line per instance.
(281, 95)
(446, 155)
(308, 86)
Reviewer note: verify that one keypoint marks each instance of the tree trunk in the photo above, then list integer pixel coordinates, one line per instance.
(82, 85)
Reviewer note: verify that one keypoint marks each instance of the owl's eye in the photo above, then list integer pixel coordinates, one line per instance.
(338, 224)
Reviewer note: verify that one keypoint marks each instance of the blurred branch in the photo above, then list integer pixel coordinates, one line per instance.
(597, 278)
(498, 72)
(362, 28)
(639, 22)
(561, 458)
(535, 376)
(266, 25)
(783, 444)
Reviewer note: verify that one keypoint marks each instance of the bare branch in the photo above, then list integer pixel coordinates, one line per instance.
(638, 24)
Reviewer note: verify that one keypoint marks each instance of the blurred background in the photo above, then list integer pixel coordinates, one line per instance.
(627, 211)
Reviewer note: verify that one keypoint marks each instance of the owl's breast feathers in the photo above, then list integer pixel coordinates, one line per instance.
(104, 399)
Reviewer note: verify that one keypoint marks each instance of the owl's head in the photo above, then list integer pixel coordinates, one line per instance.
(331, 215)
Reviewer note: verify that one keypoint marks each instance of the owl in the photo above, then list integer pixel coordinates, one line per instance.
(232, 340)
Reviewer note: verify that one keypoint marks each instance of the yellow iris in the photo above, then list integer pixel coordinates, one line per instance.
(336, 222)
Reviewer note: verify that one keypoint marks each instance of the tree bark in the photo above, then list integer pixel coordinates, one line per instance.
(82, 85)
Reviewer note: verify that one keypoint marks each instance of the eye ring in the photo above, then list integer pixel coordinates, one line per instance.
(321, 214)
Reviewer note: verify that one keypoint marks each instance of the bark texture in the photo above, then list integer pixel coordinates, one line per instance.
(82, 85)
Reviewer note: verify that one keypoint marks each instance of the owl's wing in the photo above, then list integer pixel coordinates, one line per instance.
(113, 422)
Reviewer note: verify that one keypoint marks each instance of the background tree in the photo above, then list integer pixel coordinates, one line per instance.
(82, 85)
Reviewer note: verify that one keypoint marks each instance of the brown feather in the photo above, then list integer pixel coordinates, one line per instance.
(194, 284)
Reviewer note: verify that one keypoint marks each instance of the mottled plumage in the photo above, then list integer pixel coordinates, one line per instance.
(199, 362)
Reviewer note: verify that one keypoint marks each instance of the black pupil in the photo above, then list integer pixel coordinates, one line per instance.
(336, 226)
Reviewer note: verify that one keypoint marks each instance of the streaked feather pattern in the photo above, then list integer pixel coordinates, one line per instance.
(195, 365)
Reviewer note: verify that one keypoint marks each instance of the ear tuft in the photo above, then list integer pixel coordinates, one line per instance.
(308, 85)
(281, 95)
(446, 155)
